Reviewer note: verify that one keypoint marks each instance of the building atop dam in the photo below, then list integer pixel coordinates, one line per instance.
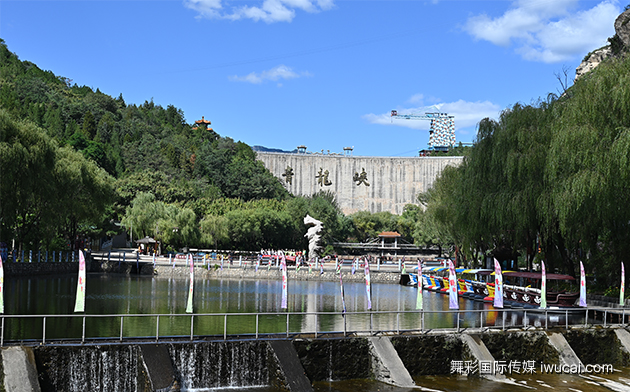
(359, 183)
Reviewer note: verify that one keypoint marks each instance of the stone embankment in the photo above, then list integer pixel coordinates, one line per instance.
(274, 273)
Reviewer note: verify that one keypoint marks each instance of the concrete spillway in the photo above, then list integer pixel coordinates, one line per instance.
(387, 365)
(286, 365)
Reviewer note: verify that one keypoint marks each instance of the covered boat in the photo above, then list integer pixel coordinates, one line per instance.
(522, 289)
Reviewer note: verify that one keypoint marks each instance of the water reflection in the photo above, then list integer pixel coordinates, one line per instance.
(117, 294)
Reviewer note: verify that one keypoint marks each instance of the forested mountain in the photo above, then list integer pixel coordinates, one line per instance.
(126, 139)
(145, 148)
(74, 161)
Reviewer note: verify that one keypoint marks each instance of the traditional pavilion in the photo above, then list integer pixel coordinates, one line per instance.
(203, 123)
(389, 235)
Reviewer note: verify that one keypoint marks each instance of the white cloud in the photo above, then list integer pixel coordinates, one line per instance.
(548, 31)
(276, 73)
(416, 99)
(467, 114)
(270, 11)
(205, 8)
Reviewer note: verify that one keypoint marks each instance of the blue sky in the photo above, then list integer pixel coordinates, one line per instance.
(320, 73)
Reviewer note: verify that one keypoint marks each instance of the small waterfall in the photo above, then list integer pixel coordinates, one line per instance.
(221, 364)
(330, 361)
(96, 368)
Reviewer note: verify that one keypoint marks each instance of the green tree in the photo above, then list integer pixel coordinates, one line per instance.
(89, 125)
(143, 215)
(45, 189)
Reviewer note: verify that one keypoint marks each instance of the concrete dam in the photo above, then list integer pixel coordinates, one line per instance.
(299, 365)
(373, 184)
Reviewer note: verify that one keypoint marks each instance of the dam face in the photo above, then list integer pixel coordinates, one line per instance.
(373, 184)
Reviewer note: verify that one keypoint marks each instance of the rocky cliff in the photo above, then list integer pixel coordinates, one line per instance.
(619, 44)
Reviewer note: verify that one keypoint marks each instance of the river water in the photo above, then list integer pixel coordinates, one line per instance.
(119, 294)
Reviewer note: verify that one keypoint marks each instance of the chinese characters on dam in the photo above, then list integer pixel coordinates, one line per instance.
(288, 175)
(322, 177)
(360, 178)
(358, 183)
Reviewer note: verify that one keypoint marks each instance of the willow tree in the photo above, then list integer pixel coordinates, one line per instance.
(83, 192)
(555, 173)
(522, 152)
(445, 204)
(46, 191)
(490, 204)
(589, 167)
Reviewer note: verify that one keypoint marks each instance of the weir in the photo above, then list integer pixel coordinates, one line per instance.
(294, 365)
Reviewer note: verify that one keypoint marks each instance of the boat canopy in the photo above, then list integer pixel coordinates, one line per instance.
(502, 273)
(480, 271)
(435, 269)
(537, 275)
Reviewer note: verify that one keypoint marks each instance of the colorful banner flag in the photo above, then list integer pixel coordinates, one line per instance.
(189, 305)
(622, 290)
(79, 304)
(1, 286)
(283, 266)
(338, 270)
(221, 262)
(452, 287)
(582, 286)
(368, 285)
(321, 268)
(419, 299)
(498, 285)
(257, 263)
(543, 287)
(343, 300)
(354, 266)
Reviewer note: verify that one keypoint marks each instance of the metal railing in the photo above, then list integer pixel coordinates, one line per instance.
(39, 256)
(336, 324)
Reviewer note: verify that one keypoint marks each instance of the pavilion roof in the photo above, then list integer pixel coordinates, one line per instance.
(389, 234)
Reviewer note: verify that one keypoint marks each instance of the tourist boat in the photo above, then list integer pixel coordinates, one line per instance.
(433, 277)
(461, 286)
(473, 283)
(429, 280)
(488, 290)
(524, 292)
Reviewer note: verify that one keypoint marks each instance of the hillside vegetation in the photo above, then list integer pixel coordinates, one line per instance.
(74, 162)
(548, 181)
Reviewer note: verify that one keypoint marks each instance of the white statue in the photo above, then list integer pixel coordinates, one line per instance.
(314, 235)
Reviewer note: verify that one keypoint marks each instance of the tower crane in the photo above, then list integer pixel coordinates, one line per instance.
(441, 132)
